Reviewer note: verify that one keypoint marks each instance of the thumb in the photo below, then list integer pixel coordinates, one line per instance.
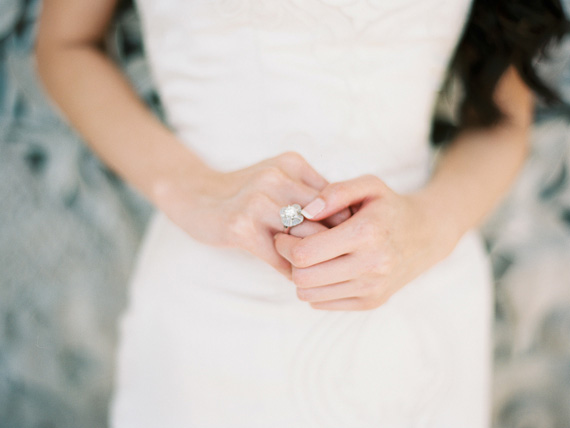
(340, 195)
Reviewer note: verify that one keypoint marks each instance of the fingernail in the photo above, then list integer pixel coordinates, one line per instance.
(313, 208)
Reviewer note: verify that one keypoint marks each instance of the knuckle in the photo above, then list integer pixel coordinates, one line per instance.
(377, 182)
(304, 294)
(256, 202)
(299, 278)
(367, 288)
(299, 256)
(270, 176)
(384, 265)
(369, 304)
(373, 182)
(380, 300)
(315, 305)
(239, 225)
(339, 190)
(374, 288)
(366, 232)
(376, 267)
(291, 157)
(364, 288)
(371, 177)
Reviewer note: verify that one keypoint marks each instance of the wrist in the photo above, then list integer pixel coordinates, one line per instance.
(181, 183)
(440, 220)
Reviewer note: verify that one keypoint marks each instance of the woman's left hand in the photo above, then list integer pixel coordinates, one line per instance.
(358, 264)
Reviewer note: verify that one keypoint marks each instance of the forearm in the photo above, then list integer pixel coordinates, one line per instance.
(100, 103)
(476, 170)
(472, 176)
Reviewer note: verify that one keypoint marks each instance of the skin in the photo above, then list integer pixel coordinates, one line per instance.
(236, 209)
(336, 261)
(392, 238)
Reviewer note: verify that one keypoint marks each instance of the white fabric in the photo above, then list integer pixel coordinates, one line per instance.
(215, 337)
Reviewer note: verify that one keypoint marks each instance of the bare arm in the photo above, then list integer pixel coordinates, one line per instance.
(474, 173)
(393, 238)
(235, 209)
(99, 101)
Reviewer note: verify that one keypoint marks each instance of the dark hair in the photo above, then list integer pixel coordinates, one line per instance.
(500, 33)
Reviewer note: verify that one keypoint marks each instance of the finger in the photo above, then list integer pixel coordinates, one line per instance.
(299, 169)
(337, 196)
(256, 209)
(252, 228)
(307, 228)
(343, 268)
(285, 190)
(354, 208)
(263, 209)
(291, 192)
(266, 251)
(286, 193)
(327, 293)
(337, 218)
(284, 243)
(347, 304)
(325, 245)
(257, 214)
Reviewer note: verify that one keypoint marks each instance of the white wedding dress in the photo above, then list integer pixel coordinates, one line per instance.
(217, 338)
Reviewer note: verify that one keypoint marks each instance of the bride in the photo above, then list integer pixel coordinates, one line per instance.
(375, 309)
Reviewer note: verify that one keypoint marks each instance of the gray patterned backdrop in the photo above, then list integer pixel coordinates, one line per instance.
(69, 230)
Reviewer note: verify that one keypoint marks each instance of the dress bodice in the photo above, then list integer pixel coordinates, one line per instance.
(215, 337)
(349, 84)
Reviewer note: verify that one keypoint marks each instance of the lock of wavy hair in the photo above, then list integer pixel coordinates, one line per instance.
(497, 34)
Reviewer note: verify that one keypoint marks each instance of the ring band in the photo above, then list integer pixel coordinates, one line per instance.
(291, 216)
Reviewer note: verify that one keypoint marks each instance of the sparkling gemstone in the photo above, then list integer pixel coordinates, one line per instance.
(291, 215)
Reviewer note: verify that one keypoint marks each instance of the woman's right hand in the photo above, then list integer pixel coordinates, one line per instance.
(241, 208)
(237, 209)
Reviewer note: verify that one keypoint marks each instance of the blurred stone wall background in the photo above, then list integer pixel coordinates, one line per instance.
(69, 230)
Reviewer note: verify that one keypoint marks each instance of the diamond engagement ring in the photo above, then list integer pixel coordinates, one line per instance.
(291, 216)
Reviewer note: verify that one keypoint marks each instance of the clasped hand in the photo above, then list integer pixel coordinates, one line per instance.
(337, 260)
(360, 263)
